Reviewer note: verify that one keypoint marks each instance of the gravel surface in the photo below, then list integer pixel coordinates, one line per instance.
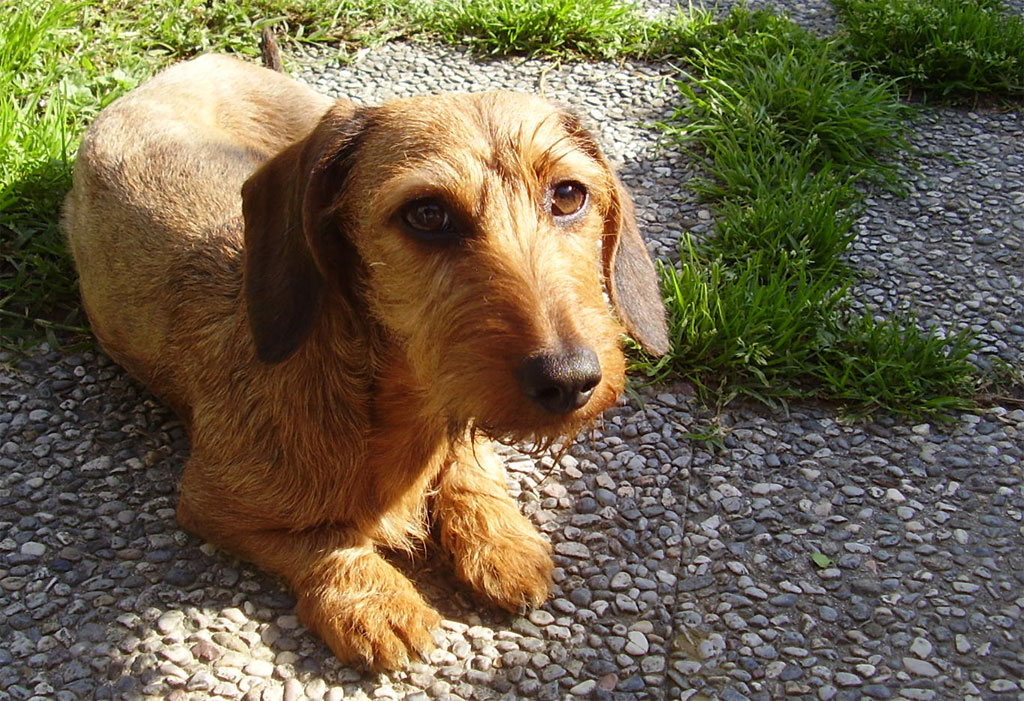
(804, 557)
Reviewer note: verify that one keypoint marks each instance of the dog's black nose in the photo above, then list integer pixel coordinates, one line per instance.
(560, 382)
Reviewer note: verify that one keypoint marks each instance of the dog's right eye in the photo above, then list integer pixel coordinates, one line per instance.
(427, 218)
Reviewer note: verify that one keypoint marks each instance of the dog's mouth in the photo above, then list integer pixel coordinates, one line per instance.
(534, 425)
(533, 442)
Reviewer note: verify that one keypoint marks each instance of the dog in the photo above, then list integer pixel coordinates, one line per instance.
(346, 305)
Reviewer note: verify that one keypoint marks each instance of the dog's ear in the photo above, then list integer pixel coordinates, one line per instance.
(293, 245)
(631, 277)
(628, 270)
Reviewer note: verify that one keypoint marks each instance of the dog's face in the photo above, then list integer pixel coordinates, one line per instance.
(481, 232)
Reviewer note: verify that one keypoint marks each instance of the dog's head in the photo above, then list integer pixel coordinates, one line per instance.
(480, 233)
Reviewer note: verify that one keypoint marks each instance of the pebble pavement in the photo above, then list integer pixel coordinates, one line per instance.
(805, 557)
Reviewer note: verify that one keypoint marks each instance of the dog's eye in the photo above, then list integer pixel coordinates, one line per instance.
(427, 218)
(567, 198)
(426, 215)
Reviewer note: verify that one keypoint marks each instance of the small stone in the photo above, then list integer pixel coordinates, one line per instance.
(652, 664)
(846, 679)
(1003, 686)
(552, 672)
(963, 645)
(201, 681)
(573, 549)
(316, 688)
(921, 648)
(583, 688)
(791, 672)
(259, 668)
(170, 621)
(620, 581)
(100, 464)
(293, 690)
(637, 643)
(33, 549)
(235, 615)
(288, 622)
(920, 668)
(178, 577)
(541, 618)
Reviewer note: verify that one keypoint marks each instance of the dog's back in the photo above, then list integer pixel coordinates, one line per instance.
(157, 191)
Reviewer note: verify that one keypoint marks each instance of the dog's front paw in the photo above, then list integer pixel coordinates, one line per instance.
(367, 612)
(500, 554)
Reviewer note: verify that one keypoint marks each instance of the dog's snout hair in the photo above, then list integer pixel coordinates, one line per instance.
(344, 303)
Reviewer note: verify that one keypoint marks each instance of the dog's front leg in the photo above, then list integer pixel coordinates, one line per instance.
(496, 550)
(359, 604)
(364, 609)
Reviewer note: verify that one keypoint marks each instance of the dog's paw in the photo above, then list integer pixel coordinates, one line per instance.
(369, 613)
(507, 561)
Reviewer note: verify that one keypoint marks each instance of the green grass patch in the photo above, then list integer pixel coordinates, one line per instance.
(791, 93)
(754, 321)
(791, 137)
(36, 143)
(946, 48)
(601, 28)
(893, 365)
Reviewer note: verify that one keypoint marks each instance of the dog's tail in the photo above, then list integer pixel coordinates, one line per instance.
(270, 51)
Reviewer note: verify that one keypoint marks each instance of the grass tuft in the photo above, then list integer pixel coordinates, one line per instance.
(893, 365)
(601, 28)
(755, 321)
(800, 97)
(946, 48)
(791, 137)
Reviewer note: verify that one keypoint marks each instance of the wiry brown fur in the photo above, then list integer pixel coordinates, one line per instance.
(237, 242)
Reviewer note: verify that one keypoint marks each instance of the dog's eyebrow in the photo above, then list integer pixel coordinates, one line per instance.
(548, 158)
(581, 136)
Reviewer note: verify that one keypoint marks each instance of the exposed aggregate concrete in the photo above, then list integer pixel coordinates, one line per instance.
(806, 557)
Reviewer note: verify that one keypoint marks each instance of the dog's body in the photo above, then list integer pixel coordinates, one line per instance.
(342, 303)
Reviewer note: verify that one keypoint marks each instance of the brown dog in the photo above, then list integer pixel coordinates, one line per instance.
(344, 304)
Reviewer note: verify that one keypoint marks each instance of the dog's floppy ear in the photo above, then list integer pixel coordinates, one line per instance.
(291, 239)
(629, 273)
(632, 279)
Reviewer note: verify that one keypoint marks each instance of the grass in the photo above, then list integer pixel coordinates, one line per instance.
(791, 137)
(754, 322)
(951, 49)
(600, 28)
(35, 146)
(790, 131)
(893, 365)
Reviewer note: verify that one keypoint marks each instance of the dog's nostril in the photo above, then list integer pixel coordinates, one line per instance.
(560, 382)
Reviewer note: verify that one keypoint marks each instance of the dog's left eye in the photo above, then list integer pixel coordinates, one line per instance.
(427, 218)
(567, 198)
